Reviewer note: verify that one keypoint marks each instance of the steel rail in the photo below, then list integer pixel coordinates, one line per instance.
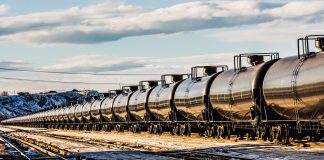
(38, 148)
(14, 147)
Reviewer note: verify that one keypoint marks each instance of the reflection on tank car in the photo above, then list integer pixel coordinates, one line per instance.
(191, 96)
(231, 93)
(119, 107)
(138, 101)
(160, 101)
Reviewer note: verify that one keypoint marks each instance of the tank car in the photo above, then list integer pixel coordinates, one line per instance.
(85, 112)
(47, 118)
(191, 97)
(293, 89)
(106, 109)
(95, 113)
(161, 104)
(65, 116)
(78, 115)
(60, 117)
(70, 112)
(234, 94)
(137, 105)
(119, 107)
(52, 118)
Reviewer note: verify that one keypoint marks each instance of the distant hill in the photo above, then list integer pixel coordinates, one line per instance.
(25, 103)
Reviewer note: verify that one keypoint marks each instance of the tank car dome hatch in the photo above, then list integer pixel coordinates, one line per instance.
(160, 100)
(191, 97)
(296, 92)
(137, 105)
(119, 107)
(234, 94)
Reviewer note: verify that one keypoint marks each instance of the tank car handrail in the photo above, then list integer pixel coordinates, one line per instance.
(304, 42)
(163, 80)
(238, 58)
(130, 88)
(194, 73)
(151, 83)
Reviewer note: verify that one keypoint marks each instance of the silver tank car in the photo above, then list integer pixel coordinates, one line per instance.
(60, 114)
(119, 106)
(78, 112)
(192, 95)
(52, 115)
(106, 105)
(86, 110)
(95, 110)
(70, 112)
(138, 101)
(47, 116)
(65, 114)
(57, 113)
(294, 86)
(233, 92)
(160, 101)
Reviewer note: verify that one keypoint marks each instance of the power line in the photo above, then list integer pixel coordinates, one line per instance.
(79, 73)
(65, 82)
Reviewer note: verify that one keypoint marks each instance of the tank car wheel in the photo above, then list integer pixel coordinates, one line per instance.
(175, 130)
(160, 129)
(155, 129)
(182, 130)
(221, 132)
(287, 135)
(116, 128)
(188, 130)
(228, 132)
(252, 135)
(150, 129)
(317, 137)
(131, 129)
(209, 131)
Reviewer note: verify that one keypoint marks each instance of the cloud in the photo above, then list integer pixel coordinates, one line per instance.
(13, 64)
(3, 9)
(97, 63)
(107, 64)
(111, 22)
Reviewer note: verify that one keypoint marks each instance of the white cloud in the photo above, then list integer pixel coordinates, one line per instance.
(111, 22)
(298, 9)
(3, 9)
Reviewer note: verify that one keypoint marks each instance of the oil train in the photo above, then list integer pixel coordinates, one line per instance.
(273, 98)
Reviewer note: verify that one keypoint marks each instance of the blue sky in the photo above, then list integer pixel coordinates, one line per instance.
(142, 36)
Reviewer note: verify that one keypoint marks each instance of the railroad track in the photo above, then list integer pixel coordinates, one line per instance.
(147, 149)
(23, 148)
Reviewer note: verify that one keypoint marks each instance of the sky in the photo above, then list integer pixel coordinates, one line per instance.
(141, 36)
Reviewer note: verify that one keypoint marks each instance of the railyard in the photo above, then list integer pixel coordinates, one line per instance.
(115, 145)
